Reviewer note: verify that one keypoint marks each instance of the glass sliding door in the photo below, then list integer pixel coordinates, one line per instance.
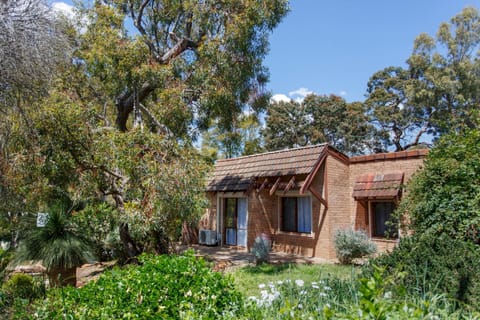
(235, 221)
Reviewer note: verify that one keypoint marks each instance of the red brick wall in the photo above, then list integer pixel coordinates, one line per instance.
(343, 211)
(408, 165)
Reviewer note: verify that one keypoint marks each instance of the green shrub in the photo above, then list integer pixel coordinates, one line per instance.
(435, 264)
(444, 197)
(99, 223)
(351, 244)
(162, 287)
(261, 249)
(21, 286)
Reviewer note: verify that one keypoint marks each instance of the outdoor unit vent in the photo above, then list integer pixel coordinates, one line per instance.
(208, 237)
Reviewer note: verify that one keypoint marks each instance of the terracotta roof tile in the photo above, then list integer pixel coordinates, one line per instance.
(236, 174)
(374, 185)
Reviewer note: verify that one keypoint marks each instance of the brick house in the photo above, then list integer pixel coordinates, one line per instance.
(299, 197)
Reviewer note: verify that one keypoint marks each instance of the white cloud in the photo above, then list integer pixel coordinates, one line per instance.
(299, 94)
(279, 97)
(295, 95)
(342, 93)
(66, 9)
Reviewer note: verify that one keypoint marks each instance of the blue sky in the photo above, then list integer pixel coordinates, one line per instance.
(333, 47)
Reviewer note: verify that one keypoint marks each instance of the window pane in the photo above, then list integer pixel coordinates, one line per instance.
(304, 214)
(230, 206)
(383, 223)
(242, 213)
(288, 214)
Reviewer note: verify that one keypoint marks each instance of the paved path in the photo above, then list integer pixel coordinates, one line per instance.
(226, 257)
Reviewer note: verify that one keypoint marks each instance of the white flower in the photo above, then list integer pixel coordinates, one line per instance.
(314, 283)
(303, 292)
(322, 294)
(327, 288)
(299, 283)
(388, 295)
(315, 286)
(279, 282)
(261, 286)
(300, 306)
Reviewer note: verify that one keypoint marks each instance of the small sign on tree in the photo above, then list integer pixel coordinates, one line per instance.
(42, 219)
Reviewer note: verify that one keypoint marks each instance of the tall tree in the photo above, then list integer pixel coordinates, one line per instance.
(319, 119)
(244, 138)
(118, 124)
(286, 125)
(192, 60)
(438, 92)
(34, 46)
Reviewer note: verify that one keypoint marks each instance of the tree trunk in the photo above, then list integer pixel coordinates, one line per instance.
(59, 277)
(129, 245)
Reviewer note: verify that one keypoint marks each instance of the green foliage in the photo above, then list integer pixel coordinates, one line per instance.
(99, 225)
(351, 244)
(435, 264)
(376, 296)
(261, 249)
(22, 286)
(318, 119)
(5, 257)
(437, 93)
(58, 245)
(161, 287)
(444, 198)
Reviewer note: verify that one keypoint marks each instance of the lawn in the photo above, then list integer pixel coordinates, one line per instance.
(247, 279)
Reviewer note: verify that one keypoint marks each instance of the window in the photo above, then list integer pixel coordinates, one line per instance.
(296, 214)
(384, 224)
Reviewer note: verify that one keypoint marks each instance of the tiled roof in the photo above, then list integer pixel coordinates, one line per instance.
(237, 174)
(378, 185)
(418, 153)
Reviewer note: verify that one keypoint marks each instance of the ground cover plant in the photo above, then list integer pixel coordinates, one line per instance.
(373, 297)
(248, 278)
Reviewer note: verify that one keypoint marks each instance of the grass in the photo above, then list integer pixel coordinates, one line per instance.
(248, 278)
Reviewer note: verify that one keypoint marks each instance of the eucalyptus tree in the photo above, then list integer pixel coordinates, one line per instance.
(439, 90)
(118, 124)
(319, 119)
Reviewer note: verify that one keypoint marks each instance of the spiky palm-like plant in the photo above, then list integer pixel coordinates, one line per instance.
(60, 248)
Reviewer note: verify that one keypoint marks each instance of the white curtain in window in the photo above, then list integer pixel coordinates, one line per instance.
(242, 213)
(304, 214)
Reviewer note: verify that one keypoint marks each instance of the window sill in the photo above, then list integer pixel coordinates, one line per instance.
(296, 234)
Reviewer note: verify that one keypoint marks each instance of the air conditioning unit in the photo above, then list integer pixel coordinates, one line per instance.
(208, 237)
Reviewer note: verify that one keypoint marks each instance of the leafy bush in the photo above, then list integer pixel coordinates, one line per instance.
(445, 196)
(351, 244)
(21, 286)
(162, 287)
(99, 223)
(435, 264)
(261, 249)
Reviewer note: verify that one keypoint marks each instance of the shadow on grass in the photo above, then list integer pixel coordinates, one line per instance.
(269, 268)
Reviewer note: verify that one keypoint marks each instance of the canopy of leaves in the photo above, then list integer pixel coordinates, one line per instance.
(318, 119)
(438, 92)
(444, 198)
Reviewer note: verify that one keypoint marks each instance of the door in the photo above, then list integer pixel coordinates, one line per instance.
(236, 222)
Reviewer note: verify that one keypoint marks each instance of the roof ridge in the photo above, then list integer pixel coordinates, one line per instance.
(273, 152)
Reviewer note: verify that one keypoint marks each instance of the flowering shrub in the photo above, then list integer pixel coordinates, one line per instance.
(350, 244)
(376, 297)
